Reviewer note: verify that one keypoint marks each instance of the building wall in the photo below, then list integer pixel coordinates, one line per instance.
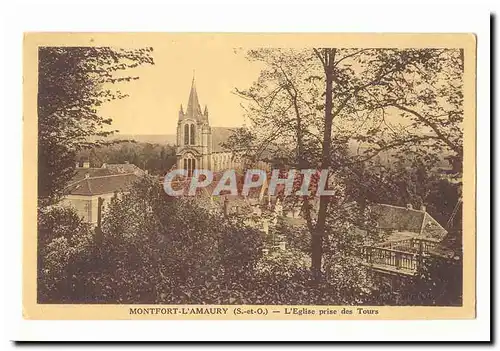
(81, 204)
(202, 149)
(86, 206)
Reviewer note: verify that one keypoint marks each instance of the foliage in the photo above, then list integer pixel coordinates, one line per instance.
(65, 245)
(58, 222)
(313, 105)
(413, 180)
(72, 83)
(156, 159)
(155, 249)
(438, 283)
(384, 119)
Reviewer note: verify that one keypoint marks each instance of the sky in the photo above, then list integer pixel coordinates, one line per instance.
(154, 101)
(218, 65)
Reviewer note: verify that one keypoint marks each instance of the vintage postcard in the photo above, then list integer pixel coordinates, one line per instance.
(249, 176)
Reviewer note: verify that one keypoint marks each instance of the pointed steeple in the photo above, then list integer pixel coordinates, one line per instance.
(181, 112)
(193, 108)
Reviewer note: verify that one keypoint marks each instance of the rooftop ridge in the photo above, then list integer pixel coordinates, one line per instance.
(111, 175)
(74, 183)
(402, 207)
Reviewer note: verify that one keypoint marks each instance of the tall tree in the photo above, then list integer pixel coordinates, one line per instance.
(72, 83)
(314, 103)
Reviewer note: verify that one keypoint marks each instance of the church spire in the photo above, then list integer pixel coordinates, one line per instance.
(193, 108)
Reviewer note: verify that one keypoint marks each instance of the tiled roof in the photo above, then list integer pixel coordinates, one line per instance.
(99, 185)
(432, 229)
(117, 168)
(398, 218)
(404, 219)
(92, 172)
(109, 169)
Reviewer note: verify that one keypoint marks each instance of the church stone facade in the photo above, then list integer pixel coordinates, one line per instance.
(199, 144)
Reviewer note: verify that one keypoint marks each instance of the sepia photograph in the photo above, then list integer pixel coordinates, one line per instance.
(226, 175)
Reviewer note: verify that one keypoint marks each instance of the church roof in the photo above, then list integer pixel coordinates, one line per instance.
(219, 136)
(193, 109)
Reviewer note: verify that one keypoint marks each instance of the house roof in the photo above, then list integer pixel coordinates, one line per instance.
(398, 218)
(109, 169)
(410, 220)
(107, 184)
(121, 168)
(80, 173)
(105, 180)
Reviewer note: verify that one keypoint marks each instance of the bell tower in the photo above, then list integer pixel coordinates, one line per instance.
(194, 135)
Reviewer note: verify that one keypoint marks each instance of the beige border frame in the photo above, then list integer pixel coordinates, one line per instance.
(32, 310)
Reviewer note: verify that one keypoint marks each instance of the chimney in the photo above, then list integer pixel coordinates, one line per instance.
(423, 208)
(86, 164)
(409, 207)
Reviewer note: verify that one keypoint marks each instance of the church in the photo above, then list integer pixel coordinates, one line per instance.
(199, 146)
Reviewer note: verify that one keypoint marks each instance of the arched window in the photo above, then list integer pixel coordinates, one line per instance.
(186, 134)
(192, 134)
(193, 166)
(189, 164)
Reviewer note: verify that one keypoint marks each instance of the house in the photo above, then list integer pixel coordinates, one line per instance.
(411, 235)
(91, 184)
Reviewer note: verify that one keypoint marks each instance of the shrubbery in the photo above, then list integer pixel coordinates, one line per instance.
(158, 249)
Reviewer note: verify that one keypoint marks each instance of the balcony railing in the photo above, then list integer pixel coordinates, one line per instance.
(400, 257)
(390, 259)
(413, 245)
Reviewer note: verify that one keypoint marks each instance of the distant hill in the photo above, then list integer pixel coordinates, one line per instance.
(221, 134)
(162, 139)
